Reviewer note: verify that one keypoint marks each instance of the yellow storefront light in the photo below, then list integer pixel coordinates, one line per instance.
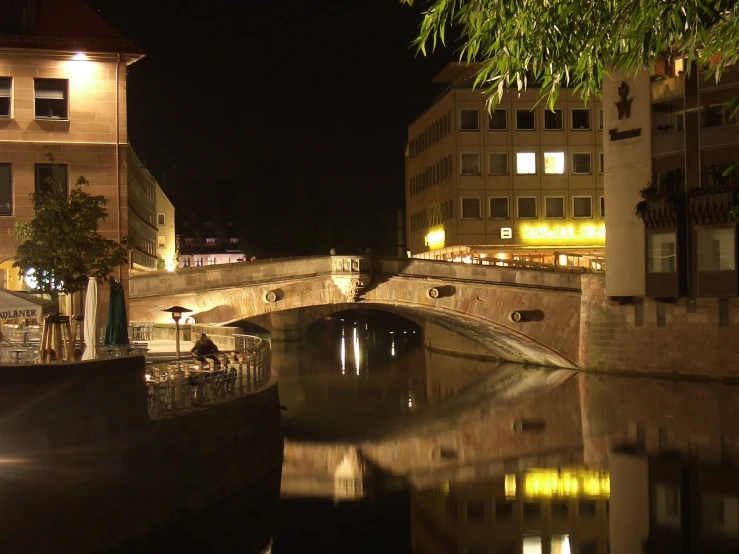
(436, 239)
(564, 232)
(571, 482)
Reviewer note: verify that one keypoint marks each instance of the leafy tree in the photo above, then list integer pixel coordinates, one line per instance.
(61, 244)
(574, 43)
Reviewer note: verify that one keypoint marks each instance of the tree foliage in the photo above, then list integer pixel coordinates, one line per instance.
(61, 244)
(574, 43)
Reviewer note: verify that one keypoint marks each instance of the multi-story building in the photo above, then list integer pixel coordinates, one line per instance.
(62, 91)
(142, 214)
(166, 238)
(520, 182)
(669, 142)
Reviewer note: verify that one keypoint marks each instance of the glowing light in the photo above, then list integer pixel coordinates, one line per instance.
(563, 259)
(80, 57)
(502, 256)
(483, 256)
(436, 239)
(392, 346)
(467, 260)
(343, 353)
(31, 281)
(547, 483)
(356, 350)
(170, 266)
(564, 232)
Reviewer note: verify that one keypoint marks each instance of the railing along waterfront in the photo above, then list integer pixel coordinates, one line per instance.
(184, 384)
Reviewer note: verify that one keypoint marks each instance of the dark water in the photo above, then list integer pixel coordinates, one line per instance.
(609, 464)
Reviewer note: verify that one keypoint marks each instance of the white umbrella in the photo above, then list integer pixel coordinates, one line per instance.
(91, 320)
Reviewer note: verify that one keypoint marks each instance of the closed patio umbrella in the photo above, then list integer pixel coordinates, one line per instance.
(116, 330)
(91, 320)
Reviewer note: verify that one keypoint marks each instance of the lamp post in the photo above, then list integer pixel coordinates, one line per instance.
(177, 312)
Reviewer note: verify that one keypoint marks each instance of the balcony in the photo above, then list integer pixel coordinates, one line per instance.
(712, 209)
(659, 214)
(667, 88)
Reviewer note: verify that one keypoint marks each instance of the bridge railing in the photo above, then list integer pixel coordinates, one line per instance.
(180, 385)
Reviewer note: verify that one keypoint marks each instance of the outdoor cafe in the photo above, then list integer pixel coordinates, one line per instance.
(21, 326)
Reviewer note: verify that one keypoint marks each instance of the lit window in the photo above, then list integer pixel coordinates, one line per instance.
(499, 207)
(715, 249)
(6, 190)
(49, 174)
(581, 163)
(498, 120)
(5, 96)
(211, 261)
(525, 163)
(161, 219)
(661, 253)
(469, 120)
(161, 241)
(678, 66)
(210, 241)
(554, 163)
(601, 164)
(186, 262)
(582, 207)
(498, 162)
(470, 164)
(553, 120)
(199, 262)
(233, 240)
(581, 119)
(471, 208)
(51, 98)
(525, 120)
(526, 207)
(189, 241)
(554, 207)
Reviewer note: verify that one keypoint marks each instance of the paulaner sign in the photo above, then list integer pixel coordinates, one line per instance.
(624, 112)
(30, 313)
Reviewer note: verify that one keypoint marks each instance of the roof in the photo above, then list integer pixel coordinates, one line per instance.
(67, 25)
(456, 72)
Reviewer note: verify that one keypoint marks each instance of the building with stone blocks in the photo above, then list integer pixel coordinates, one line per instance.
(520, 182)
(62, 92)
(166, 237)
(142, 216)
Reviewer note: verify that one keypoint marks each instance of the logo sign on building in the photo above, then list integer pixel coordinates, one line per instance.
(624, 112)
(506, 233)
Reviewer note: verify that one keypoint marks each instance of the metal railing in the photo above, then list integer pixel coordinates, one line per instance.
(175, 385)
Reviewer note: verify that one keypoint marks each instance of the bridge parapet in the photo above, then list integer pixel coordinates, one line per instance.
(352, 274)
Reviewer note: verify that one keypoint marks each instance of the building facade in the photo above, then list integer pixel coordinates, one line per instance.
(166, 238)
(62, 92)
(521, 182)
(142, 215)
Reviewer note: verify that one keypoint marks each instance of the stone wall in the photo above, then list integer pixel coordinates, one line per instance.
(649, 336)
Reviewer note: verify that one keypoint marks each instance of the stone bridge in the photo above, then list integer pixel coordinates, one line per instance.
(520, 315)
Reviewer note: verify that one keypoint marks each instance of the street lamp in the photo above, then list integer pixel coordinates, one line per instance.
(177, 312)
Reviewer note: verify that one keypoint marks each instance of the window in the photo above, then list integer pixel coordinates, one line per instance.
(601, 163)
(190, 241)
(680, 122)
(715, 248)
(719, 514)
(661, 253)
(553, 120)
(471, 208)
(51, 98)
(211, 261)
(554, 207)
(525, 120)
(186, 262)
(233, 240)
(498, 120)
(532, 510)
(587, 508)
(199, 262)
(48, 174)
(161, 241)
(161, 219)
(588, 548)
(581, 163)
(666, 505)
(475, 510)
(6, 190)
(499, 207)
(498, 163)
(582, 207)
(559, 509)
(526, 207)
(554, 163)
(713, 115)
(580, 119)
(603, 207)
(5, 96)
(210, 241)
(503, 510)
(470, 164)
(600, 119)
(525, 163)
(469, 120)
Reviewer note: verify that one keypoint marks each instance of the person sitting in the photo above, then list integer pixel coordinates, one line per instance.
(206, 348)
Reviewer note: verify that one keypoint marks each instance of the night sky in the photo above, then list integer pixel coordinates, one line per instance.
(328, 86)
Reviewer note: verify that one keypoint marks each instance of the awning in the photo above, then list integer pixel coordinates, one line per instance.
(21, 305)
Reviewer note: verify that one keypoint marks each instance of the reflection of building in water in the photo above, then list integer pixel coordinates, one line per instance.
(556, 511)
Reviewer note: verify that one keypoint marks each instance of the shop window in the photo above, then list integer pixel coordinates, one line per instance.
(498, 163)
(470, 164)
(581, 163)
(525, 120)
(499, 207)
(469, 120)
(51, 100)
(715, 249)
(553, 120)
(580, 119)
(526, 207)
(582, 207)
(471, 208)
(554, 207)
(554, 163)
(661, 253)
(525, 163)
(498, 120)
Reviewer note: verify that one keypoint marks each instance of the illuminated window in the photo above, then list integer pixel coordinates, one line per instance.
(525, 163)
(51, 100)
(161, 241)
(554, 207)
(211, 261)
(48, 174)
(199, 262)
(603, 207)
(470, 164)
(580, 119)
(161, 219)
(498, 120)
(233, 240)
(190, 241)
(678, 66)
(582, 207)
(600, 119)
(210, 241)
(5, 96)
(499, 207)
(498, 163)
(525, 120)
(661, 253)
(469, 120)
(526, 207)
(553, 120)
(581, 163)
(471, 208)
(6, 190)
(601, 164)
(554, 163)
(715, 249)
(186, 262)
